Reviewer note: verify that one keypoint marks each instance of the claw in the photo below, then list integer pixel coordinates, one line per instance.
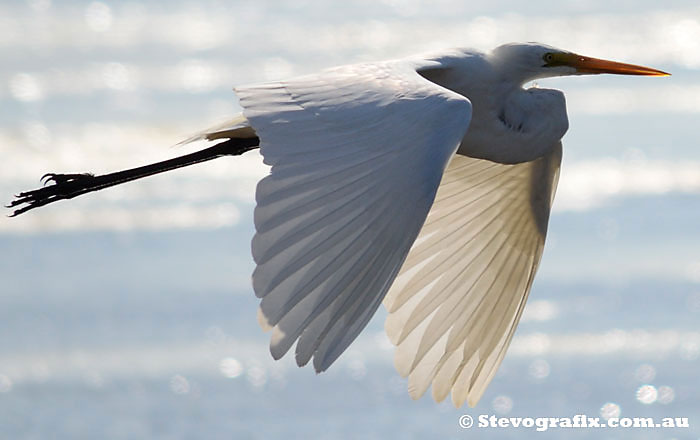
(63, 178)
(64, 186)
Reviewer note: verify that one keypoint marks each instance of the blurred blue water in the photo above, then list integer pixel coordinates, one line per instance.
(79, 333)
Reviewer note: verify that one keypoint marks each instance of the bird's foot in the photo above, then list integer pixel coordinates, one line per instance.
(65, 186)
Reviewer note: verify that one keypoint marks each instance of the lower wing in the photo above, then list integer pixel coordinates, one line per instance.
(458, 299)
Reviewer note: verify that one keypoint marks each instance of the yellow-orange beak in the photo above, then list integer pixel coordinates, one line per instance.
(594, 65)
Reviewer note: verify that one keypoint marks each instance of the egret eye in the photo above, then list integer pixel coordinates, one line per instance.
(548, 57)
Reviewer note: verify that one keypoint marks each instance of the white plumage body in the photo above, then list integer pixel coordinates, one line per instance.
(357, 154)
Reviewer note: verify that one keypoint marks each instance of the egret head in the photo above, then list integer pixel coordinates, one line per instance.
(527, 61)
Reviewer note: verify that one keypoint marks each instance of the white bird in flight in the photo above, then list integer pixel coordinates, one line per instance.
(424, 183)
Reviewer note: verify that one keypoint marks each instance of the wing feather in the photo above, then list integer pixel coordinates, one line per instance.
(357, 155)
(455, 305)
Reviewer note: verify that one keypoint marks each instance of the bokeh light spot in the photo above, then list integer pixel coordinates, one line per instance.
(196, 76)
(647, 394)
(502, 404)
(179, 384)
(116, 76)
(645, 373)
(26, 87)
(539, 369)
(610, 410)
(257, 376)
(98, 16)
(230, 367)
(666, 395)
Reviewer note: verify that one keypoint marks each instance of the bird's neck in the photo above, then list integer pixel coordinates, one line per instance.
(509, 124)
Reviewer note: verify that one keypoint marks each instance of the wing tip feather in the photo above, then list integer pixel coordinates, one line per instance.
(262, 321)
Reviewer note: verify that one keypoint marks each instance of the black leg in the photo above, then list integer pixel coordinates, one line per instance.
(67, 186)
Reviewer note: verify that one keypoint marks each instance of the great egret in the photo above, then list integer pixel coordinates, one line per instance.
(366, 201)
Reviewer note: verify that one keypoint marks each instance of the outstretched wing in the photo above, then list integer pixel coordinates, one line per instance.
(458, 299)
(357, 154)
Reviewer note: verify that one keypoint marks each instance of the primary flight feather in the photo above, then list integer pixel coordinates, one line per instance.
(424, 183)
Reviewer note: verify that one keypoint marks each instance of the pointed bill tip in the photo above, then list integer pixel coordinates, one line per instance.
(588, 65)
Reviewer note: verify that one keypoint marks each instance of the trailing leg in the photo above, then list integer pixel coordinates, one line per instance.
(67, 186)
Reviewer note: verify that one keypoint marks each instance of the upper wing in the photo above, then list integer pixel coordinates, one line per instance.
(459, 296)
(357, 154)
